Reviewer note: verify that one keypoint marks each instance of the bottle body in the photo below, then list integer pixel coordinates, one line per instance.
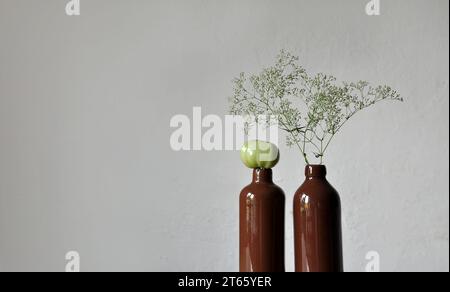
(261, 227)
(317, 224)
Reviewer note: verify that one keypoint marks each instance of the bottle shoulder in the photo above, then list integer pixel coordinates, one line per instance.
(262, 189)
(317, 190)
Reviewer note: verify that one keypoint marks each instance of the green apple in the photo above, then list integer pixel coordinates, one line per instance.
(260, 154)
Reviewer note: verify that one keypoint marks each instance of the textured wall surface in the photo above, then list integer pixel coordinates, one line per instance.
(85, 105)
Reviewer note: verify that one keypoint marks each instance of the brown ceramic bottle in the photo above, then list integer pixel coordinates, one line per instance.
(262, 206)
(317, 224)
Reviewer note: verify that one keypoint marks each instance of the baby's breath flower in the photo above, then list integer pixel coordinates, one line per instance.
(311, 109)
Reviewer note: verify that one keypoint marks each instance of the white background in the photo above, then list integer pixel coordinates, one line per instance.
(85, 105)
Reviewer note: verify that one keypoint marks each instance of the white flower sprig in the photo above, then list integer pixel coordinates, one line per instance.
(310, 109)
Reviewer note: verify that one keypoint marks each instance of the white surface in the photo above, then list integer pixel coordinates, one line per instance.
(85, 105)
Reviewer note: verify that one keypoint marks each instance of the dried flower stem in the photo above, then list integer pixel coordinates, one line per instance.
(310, 109)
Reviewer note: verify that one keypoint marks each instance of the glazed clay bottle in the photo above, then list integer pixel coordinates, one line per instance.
(262, 206)
(317, 224)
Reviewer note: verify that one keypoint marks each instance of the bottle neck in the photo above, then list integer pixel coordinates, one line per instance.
(262, 176)
(315, 171)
